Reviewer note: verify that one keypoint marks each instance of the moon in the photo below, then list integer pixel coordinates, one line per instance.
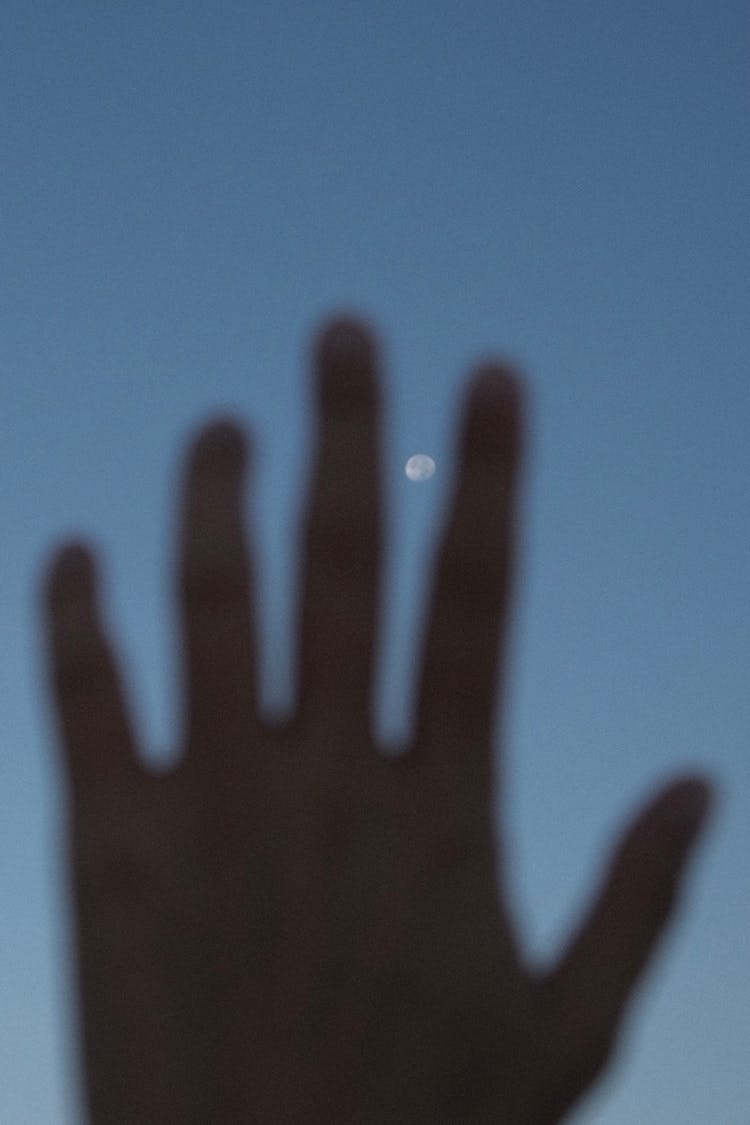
(419, 467)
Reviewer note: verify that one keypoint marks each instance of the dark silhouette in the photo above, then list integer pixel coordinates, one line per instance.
(290, 927)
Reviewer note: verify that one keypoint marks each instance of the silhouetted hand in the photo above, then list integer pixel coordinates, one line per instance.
(289, 926)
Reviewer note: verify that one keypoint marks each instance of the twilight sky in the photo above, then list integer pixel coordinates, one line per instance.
(186, 190)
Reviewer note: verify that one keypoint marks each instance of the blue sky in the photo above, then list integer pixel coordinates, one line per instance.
(186, 190)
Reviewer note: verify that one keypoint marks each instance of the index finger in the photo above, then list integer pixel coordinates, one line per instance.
(469, 607)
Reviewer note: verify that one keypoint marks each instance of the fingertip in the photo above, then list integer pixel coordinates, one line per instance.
(344, 334)
(691, 800)
(681, 808)
(346, 359)
(496, 384)
(220, 445)
(494, 414)
(70, 576)
(654, 853)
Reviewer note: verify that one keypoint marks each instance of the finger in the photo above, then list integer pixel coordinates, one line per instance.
(219, 643)
(98, 744)
(458, 685)
(343, 533)
(599, 971)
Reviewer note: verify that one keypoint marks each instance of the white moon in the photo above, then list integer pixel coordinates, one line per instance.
(419, 467)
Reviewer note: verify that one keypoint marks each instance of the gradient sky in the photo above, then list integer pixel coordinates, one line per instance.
(186, 190)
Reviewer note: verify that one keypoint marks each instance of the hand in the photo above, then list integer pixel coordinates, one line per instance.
(289, 927)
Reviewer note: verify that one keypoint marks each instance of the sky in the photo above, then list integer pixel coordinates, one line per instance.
(187, 190)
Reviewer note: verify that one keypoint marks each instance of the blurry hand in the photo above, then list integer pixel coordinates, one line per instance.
(290, 927)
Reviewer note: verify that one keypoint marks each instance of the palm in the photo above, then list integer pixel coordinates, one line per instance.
(289, 926)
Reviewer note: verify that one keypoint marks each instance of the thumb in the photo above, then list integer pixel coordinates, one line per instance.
(597, 973)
